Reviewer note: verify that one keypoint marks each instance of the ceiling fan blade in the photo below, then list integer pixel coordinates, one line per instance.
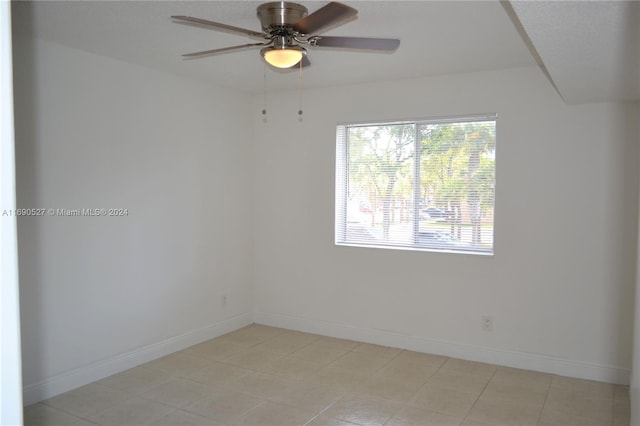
(221, 50)
(188, 20)
(360, 43)
(327, 15)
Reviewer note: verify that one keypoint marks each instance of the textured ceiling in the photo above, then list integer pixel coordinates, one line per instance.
(591, 50)
(436, 38)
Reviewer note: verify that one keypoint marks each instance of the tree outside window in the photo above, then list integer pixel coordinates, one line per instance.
(424, 184)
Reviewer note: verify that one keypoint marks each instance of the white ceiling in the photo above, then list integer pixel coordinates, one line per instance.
(590, 49)
(437, 37)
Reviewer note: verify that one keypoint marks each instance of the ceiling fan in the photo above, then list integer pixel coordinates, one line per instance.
(287, 29)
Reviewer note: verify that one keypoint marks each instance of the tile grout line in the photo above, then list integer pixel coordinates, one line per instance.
(479, 395)
(546, 396)
(62, 410)
(372, 358)
(323, 411)
(245, 415)
(408, 401)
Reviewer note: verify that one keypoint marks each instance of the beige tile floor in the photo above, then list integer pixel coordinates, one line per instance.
(268, 376)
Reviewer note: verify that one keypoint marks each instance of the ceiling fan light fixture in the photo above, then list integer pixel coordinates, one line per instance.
(286, 27)
(283, 57)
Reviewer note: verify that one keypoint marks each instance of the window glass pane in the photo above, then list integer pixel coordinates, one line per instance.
(380, 195)
(427, 185)
(457, 175)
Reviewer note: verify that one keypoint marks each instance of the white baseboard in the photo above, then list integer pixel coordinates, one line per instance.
(69, 380)
(522, 360)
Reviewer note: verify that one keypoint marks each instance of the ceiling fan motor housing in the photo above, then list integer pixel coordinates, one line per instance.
(287, 27)
(278, 14)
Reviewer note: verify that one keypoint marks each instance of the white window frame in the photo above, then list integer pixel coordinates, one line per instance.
(342, 190)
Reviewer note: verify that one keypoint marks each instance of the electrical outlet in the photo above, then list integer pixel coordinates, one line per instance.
(487, 323)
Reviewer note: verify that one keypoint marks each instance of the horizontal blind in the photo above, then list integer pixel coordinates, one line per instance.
(424, 184)
(341, 184)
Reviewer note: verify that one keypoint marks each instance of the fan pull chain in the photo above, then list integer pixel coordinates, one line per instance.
(300, 90)
(264, 95)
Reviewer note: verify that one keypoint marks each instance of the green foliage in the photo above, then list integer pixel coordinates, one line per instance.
(458, 160)
(379, 158)
(456, 169)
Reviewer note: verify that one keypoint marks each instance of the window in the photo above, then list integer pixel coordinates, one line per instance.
(423, 185)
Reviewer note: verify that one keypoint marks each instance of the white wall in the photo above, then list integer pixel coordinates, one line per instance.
(99, 294)
(560, 285)
(634, 389)
(10, 359)
(95, 132)
(635, 367)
